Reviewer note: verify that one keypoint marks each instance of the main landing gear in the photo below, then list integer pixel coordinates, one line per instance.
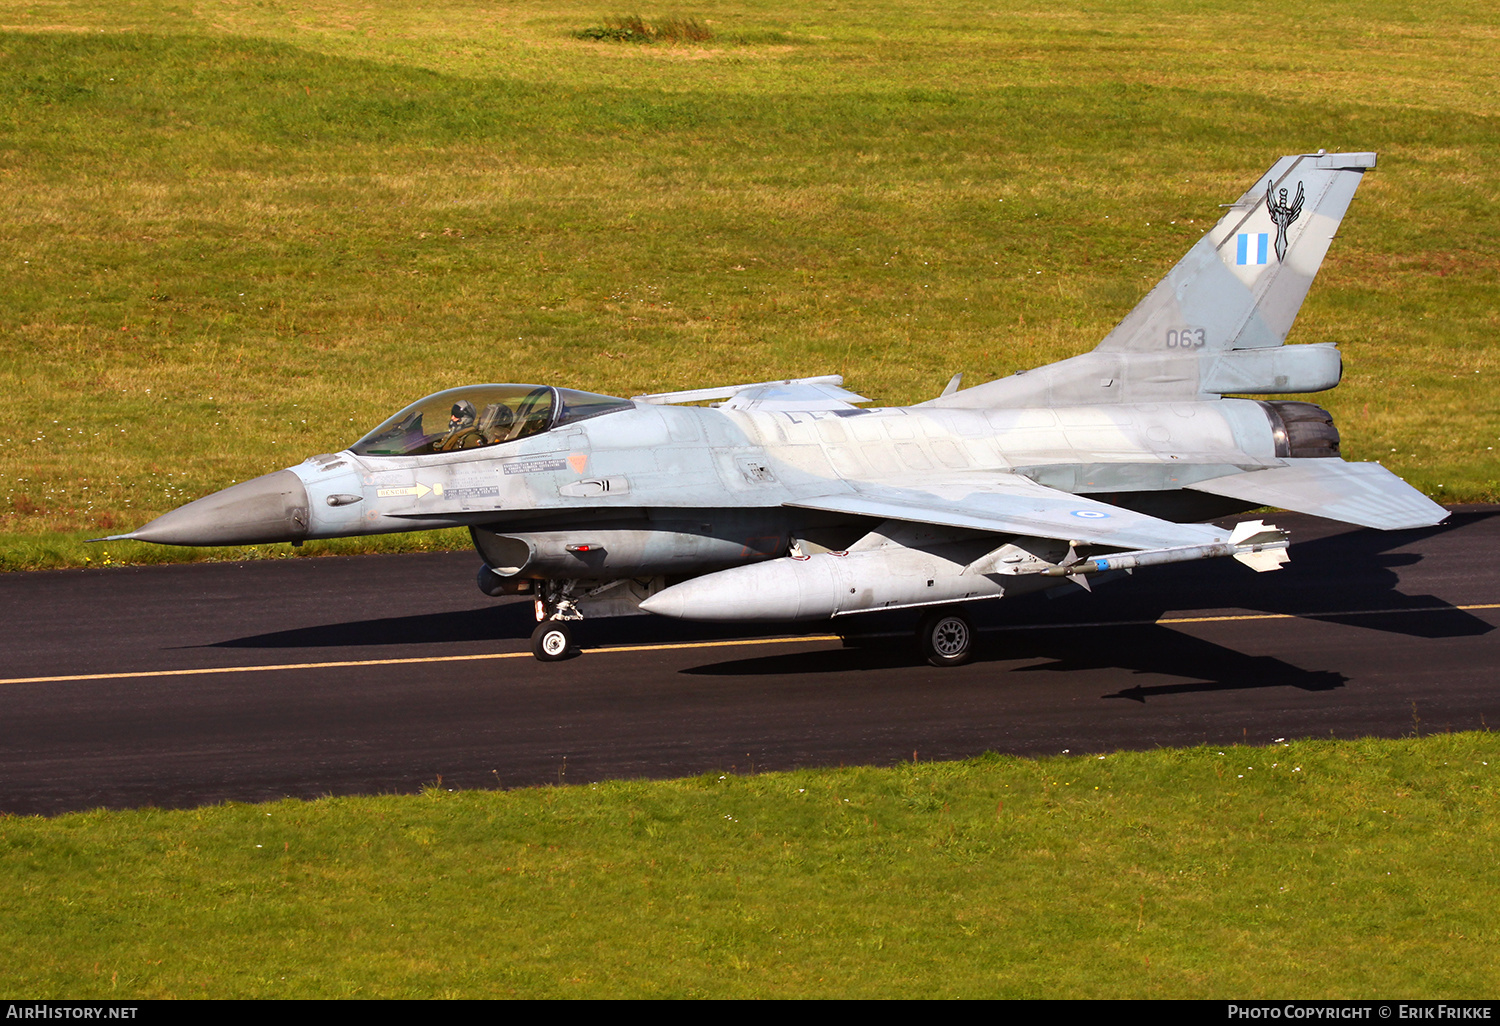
(946, 637)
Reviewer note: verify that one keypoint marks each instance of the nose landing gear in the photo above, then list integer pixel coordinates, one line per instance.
(552, 640)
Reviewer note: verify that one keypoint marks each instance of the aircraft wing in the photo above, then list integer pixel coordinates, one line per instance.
(1012, 504)
(1356, 493)
(818, 394)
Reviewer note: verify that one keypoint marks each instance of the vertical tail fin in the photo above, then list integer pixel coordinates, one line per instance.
(1241, 286)
(1216, 323)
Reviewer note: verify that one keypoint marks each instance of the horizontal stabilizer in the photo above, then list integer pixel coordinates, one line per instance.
(1356, 493)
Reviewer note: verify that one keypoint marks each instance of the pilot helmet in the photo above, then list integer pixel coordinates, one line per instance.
(463, 414)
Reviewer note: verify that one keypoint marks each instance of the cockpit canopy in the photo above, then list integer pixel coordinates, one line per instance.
(479, 415)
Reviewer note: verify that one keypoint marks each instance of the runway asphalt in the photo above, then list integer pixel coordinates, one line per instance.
(194, 684)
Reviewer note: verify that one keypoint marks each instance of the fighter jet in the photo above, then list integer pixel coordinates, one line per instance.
(789, 500)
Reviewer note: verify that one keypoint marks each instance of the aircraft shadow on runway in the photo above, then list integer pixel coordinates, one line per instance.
(1146, 650)
(1349, 577)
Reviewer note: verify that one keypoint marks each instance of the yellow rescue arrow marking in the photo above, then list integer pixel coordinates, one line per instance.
(417, 490)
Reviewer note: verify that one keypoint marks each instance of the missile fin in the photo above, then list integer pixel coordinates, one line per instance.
(1263, 560)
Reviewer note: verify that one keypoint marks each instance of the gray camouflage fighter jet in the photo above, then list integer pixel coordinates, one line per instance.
(786, 501)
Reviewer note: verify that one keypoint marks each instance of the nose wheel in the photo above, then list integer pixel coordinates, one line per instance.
(946, 638)
(552, 640)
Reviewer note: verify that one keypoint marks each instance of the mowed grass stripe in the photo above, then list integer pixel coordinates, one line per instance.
(806, 639)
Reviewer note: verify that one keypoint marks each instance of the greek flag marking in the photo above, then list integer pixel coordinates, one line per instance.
(1242, 244)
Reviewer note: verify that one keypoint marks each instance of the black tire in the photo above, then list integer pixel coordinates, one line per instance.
(552, 640)
(946, 637)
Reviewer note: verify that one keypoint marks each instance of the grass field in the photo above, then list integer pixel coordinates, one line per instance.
(1305, 870)
(239, 233)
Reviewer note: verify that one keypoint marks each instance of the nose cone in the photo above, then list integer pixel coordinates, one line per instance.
(272, 508)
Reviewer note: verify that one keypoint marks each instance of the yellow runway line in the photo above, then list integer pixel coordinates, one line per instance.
(737, 642)
(397, 662)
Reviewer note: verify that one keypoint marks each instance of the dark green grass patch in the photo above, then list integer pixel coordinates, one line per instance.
(1304, 869)
(632, 28)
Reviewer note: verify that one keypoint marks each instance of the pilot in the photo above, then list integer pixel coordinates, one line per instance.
(463, 416)
(460, 427)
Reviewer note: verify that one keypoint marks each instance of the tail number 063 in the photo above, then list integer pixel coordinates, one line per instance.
(1187, 338)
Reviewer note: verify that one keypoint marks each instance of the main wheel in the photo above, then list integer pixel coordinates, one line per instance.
(946, 637)
(552, 640)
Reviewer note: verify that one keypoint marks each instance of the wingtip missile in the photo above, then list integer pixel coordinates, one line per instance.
(1258, 545)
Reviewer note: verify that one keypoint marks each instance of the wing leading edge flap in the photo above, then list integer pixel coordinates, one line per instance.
(1012, 504)
(800, 394)
(1356, 493)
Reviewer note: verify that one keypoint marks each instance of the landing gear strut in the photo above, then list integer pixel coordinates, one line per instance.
(946, 637)
(556, 613)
